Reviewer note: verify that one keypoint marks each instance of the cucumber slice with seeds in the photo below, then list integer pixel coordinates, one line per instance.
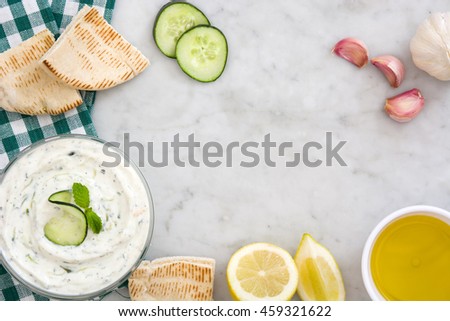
(202, 53)
(172, 21)
(70, 228)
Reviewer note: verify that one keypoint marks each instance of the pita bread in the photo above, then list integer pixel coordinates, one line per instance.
(24, 85)
(188, 259)
(173, 279)
(91, 55)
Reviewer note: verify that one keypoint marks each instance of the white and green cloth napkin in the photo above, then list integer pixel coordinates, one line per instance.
(20, 20)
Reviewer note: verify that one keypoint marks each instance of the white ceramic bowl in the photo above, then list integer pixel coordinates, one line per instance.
(367, 253)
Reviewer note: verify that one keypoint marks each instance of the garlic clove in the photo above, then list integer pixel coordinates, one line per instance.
(391, 67)
(405, 106)
(352, 50)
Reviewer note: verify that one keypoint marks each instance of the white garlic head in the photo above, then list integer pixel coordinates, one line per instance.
(430, 46)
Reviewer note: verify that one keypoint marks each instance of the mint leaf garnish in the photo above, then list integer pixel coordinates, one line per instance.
(81, 195)
(94, 221)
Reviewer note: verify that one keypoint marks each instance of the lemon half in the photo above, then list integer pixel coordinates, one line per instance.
(319, 276)
(262, 271)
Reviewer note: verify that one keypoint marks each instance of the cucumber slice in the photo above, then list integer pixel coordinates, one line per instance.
(202, 53)
(61, 196)
(69, 228)
(172, 21)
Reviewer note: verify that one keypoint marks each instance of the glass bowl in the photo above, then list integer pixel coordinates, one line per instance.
(113, 285)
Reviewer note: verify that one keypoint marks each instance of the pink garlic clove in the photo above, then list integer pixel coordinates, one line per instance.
(405, 106)
(391, 67)
(352, 50)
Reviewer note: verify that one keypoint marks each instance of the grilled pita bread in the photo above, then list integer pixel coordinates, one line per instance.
(188, 259)
(24, 85)
(173, 279)
(91, 55)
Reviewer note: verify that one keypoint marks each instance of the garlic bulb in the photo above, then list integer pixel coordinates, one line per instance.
(430, 46)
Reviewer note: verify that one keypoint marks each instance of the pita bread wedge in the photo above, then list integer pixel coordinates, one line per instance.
(26, 88)
(91, 55)
(173, 279)
(188, 259)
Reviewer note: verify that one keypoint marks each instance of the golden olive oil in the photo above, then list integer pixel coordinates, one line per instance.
(411, 259)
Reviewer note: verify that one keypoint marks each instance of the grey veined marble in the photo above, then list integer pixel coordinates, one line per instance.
(282, 79)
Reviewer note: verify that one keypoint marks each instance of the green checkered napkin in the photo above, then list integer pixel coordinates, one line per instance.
(20, 20)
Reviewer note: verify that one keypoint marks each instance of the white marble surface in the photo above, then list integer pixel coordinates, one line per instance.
(282, 79)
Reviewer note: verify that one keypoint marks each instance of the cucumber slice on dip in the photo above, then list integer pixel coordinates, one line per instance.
(61, 196)
(172, 21)
(70, 228)
(202, 53)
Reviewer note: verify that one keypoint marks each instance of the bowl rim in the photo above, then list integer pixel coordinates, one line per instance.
(369, 284)
(98, 294)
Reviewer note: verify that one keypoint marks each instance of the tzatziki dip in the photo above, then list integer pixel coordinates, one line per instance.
(118, 195)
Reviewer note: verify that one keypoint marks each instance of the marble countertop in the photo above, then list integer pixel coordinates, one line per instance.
(282, 79)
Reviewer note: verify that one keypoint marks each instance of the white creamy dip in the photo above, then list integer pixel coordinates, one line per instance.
(118, 196)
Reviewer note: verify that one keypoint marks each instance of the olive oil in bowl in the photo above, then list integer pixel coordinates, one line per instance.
(410, 259)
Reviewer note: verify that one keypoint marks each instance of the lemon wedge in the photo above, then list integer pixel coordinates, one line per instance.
(262, 271)
(319, 275)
